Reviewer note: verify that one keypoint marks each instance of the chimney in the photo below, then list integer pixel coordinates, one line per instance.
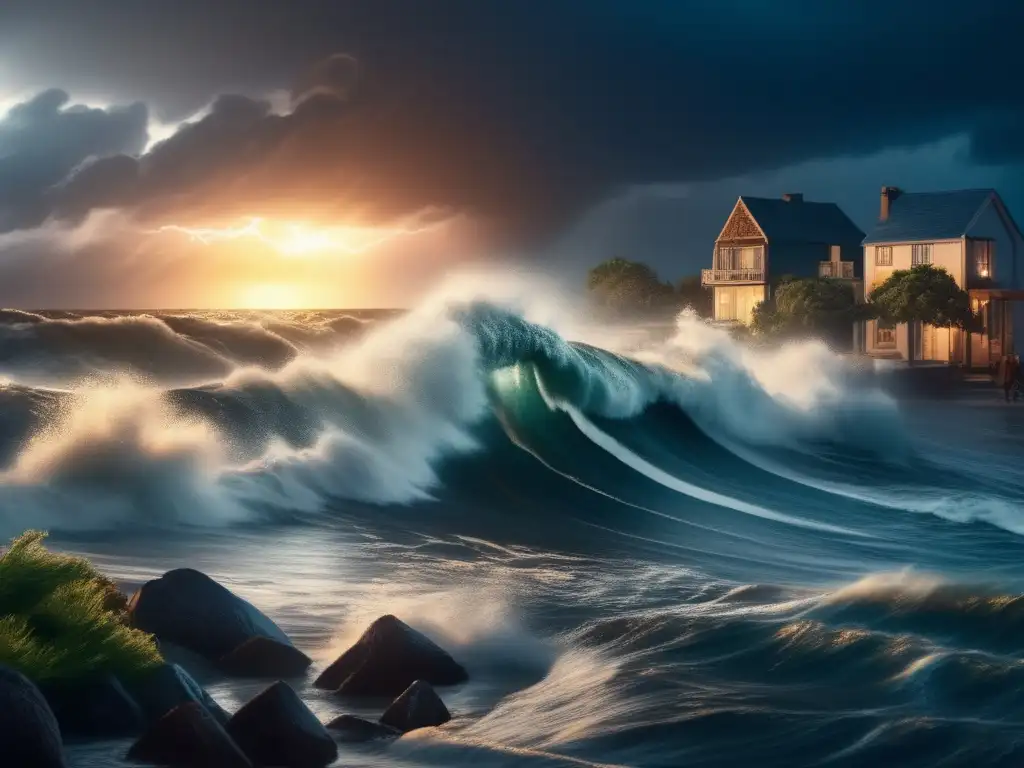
(793, 197)
(888, 195)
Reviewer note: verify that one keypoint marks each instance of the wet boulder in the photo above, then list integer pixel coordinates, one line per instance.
(388, 658)
(99, 708)
(191, 610)
(200, 668)
(169, 686)
(190, 736)
(353, 729)
(29, 734)
(418, 707)
(264, 657)
(277, 728)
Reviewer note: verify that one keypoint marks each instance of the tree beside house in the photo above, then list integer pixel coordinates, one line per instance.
(947, 268)
(627, 288)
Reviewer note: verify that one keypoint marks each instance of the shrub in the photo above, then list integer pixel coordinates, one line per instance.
(61, 619)
(822, 307)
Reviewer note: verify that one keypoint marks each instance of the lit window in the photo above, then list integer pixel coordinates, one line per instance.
(885, 334)
(883, 255)
(983, 258)
(921, 253)
(748, 257)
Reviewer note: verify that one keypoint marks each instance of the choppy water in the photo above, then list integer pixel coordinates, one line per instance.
(662, 552)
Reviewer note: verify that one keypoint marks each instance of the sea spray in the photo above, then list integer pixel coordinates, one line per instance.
(782, 395)
(373, 416)
(385, 412)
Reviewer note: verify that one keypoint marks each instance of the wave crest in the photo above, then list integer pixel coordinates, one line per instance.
(370, 416)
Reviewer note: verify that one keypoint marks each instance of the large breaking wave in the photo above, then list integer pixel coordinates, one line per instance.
(218, 418)
(710, 535)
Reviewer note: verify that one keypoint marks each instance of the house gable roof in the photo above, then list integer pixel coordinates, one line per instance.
(923, 216)
(802, 222)
(740, 224)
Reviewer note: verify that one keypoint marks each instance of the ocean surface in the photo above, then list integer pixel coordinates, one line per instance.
(658, 549)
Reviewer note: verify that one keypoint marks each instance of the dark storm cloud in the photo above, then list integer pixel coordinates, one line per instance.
(526, 112)
(999, 139)
(44, 139)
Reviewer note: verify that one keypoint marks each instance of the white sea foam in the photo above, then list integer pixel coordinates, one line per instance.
(389, 406)
(383, 409)
(781, 395)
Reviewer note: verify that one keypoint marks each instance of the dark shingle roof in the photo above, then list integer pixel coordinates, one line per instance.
(917, 216)
(802, 222)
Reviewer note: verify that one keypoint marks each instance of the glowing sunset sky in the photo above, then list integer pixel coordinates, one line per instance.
(377, 147)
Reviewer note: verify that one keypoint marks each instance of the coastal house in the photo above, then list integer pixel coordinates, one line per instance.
(971, 235)
(765, 239)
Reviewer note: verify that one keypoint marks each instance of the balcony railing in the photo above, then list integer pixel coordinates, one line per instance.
(839, 269)
(725, 276)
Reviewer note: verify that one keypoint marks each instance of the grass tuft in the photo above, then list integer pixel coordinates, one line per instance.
(60, 619)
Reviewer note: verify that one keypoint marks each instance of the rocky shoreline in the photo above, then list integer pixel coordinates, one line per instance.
(174, 721)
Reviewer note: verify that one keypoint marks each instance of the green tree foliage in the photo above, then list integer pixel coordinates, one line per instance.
(61, 619)
(632, 287)
(628, 286)
(821, 307)
(924, 294)
(691, 293)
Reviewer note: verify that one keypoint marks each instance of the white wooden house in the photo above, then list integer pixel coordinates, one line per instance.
(971, 235)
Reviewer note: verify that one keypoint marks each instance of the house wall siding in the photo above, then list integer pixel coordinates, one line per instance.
(948, 255)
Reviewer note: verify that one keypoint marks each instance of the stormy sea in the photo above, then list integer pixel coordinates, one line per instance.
(649, 547)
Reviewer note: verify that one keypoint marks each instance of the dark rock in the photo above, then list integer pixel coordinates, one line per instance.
(388, 658)
(200, 668)
(276, 728)
(265, 657)
(93, 709)
(168, 686)
(354, 729)
(189, 736)
(418, 707)
(29, 735)
(189, 609)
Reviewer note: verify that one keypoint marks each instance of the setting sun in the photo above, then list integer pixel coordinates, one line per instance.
(273, 296)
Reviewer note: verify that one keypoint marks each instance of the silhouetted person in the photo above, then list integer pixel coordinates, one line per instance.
(1009, 371)
(1015, 386)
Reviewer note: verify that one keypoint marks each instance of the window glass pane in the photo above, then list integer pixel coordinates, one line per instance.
(983, 258)
(885, 333)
